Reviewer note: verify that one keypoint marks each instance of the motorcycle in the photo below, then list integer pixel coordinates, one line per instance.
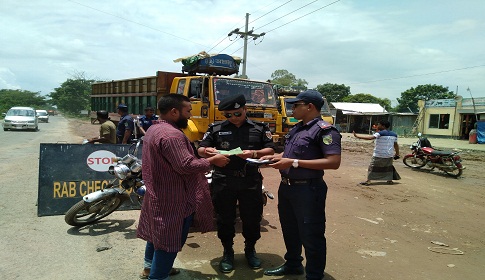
(423, 154)
(99, 204)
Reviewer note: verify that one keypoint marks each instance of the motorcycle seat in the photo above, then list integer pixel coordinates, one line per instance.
(441, 153)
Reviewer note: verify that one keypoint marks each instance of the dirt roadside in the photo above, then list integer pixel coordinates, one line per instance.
(374, 232)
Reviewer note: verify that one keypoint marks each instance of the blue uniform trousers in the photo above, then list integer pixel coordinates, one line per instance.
(301, 210)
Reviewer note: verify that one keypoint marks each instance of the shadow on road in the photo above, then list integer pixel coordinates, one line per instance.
(106, 227)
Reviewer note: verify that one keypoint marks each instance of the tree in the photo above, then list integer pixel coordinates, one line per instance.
(369, 98)
(287, 79)
(15, 97)
(74, 94)
(409, 98)
(334, 92)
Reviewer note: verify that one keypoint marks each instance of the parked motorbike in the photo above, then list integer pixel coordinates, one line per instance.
(425, 155)
(99, 204)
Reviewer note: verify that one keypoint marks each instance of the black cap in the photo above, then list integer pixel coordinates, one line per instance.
(122, 106)
(232, 102)
(102, 114)
(308, 96)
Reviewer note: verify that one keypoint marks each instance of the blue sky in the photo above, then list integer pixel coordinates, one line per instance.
(377, 47)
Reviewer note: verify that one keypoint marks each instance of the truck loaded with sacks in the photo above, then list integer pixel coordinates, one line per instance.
(205, 80)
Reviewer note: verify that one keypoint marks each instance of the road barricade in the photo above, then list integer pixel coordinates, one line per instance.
(67, 172)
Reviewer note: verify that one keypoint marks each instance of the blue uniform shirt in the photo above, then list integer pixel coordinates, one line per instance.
(312, 140)
(126, 122)
(146, 122)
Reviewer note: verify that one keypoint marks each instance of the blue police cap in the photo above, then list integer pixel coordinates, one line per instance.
(232, 102)
(308, 96)
(122, 106)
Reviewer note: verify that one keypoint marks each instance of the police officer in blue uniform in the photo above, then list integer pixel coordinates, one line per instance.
(238, 181)
(126, 126)
(145, 121)
(312, 146)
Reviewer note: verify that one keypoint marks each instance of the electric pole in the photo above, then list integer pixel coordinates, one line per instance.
(245, 36)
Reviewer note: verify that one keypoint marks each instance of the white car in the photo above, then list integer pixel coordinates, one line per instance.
(42, 115)
(20, 118)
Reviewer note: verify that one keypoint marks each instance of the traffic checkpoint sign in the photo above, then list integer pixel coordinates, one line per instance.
(67, 172)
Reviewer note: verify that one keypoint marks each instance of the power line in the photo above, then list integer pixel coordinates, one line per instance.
(288, 14)
(132, 21)
(301, 16)
(272, 10)
(419, 75)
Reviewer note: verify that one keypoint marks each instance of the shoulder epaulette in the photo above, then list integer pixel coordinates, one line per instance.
(324, 125)
(215, 123)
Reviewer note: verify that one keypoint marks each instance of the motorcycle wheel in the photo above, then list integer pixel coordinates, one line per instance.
(85, 213)
(414, 162)
(454, 172)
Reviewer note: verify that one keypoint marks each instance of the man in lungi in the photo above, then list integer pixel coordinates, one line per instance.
(386, 150)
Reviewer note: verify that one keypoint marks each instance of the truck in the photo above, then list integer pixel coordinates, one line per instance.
(204, 80)
(285, 119)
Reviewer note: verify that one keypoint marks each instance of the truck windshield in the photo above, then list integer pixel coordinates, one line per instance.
(256, 93)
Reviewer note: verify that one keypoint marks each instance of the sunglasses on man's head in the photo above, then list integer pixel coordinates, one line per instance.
(235, 114)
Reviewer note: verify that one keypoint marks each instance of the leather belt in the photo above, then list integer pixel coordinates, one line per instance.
(291, 182)
(236, 173)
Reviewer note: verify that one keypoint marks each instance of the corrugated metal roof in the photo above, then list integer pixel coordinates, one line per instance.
(358, 108)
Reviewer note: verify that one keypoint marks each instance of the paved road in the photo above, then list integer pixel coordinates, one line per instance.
(46, 247)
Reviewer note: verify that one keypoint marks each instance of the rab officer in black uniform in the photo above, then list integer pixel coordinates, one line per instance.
(312, 146)
(237, 181)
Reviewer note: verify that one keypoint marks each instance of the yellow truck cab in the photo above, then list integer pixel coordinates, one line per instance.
(205, 93)
(285, 117)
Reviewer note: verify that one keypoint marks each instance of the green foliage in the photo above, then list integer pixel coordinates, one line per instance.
(409, 98)
(287, 79)
(73, 95)
(369, 98)
(334, 92)
(15, 97)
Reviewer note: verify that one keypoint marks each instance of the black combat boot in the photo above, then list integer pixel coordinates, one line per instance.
(227, 263)
(250, 253)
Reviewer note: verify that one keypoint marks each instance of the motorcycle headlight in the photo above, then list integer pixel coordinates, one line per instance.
(120, 171)
(128, 159)
(136, 166)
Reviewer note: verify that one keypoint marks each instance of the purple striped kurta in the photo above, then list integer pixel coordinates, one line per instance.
(176, 187)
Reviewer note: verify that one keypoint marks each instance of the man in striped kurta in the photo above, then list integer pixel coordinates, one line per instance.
(385, 150)
(176, 187)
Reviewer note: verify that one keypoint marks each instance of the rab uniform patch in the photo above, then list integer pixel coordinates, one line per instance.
(327, 139)
(269, 135)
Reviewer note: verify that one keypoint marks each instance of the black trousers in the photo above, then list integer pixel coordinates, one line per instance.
(301, 210)
(228, 192)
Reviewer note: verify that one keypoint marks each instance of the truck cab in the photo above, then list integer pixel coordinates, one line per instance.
(206, 92)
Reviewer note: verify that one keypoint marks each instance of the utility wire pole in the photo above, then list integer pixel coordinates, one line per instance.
(245, 36)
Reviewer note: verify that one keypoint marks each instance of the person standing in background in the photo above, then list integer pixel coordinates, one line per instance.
(386, 150)
(145, 121)
(126, 126)
(107, 130)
